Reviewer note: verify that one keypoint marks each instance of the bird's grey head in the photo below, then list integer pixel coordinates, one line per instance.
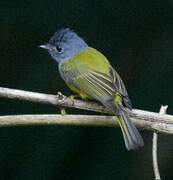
(64, 44)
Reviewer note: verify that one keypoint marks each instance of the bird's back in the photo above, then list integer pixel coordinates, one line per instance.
(89, 59)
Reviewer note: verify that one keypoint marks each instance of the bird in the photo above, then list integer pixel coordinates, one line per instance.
(88, 73)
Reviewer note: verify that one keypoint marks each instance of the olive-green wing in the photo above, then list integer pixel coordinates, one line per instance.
(95, 84)
(120, 88)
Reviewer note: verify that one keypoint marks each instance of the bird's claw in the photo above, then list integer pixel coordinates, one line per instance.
(72, 98)
(61, 97)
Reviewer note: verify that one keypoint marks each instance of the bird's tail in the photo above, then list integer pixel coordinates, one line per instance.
(132, 138)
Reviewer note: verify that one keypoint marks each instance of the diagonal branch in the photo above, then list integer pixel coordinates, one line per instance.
(143, 119)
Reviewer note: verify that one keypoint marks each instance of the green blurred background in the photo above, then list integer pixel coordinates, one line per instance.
(136, 36)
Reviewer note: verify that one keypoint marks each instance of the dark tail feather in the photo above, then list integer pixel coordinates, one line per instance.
(132, 138)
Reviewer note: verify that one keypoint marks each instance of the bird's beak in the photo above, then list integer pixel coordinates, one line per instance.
(44, 46)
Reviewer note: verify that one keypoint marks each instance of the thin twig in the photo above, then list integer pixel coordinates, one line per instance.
(63, 111)
(154, 149)
(143, 119)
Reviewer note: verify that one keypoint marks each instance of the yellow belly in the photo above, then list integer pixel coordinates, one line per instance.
(82, 94)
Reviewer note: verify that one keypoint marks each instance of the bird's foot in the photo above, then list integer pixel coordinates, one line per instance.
(72, 98)
(61, 97)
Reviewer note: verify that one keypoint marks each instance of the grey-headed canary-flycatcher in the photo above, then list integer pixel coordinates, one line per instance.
(89, 73)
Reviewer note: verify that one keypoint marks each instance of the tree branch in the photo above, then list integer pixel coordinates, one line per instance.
(154, 148)
(143, 119)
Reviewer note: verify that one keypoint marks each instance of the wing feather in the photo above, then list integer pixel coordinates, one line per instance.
(120, 88)
(98, 85)
(91, 84)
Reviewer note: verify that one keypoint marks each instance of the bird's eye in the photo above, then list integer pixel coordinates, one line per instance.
(59, 49)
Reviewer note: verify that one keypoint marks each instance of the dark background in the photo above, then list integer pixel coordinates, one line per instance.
(136, 36)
